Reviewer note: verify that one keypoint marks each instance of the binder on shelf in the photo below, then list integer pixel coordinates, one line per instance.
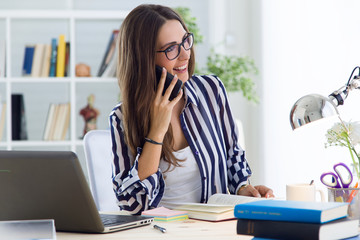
(18, 120)
(60, 60)
(53, 58)
(109, 53)
(28, 60)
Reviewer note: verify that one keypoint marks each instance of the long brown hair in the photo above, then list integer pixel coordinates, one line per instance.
(136, 72)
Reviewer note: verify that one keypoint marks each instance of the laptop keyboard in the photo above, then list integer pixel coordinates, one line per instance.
(111, 220)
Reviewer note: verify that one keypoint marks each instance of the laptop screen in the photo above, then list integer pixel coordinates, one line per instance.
(47, 185)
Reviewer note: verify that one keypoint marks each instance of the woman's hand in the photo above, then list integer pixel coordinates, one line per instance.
(256, 191)
(161, 109)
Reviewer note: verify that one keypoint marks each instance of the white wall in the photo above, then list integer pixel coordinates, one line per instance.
(307, 47)
(300, 47)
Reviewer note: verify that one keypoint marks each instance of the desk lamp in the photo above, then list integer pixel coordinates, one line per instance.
(313, 107)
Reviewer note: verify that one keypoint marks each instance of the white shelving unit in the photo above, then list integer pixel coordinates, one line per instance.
(88, 33)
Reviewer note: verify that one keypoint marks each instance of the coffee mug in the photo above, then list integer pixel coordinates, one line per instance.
(303, 192)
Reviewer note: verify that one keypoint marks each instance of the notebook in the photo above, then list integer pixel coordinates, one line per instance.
(52, 185)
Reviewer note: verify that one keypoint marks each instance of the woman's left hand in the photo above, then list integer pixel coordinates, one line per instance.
(256, 191)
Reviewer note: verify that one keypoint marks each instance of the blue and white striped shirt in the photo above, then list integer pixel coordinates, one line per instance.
(212, 135)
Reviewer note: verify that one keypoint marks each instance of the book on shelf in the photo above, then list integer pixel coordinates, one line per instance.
(28, 60)
(57, 122)
(38, 60)
(218, 208)
(60, 60)
(109, 55)
(2, 58)
(18, 120)
(53, 57)
(296, 211)
(2, 119)
(67, 60)
(338, 229)
(165, 215)
(45, 69)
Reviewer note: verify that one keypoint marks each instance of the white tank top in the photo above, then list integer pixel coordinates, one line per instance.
(182, 184)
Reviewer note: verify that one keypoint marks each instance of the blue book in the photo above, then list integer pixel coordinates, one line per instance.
(293, 211)
(53, 57)
(28, 60)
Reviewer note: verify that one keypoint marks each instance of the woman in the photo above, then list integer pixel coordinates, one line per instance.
(183, 150)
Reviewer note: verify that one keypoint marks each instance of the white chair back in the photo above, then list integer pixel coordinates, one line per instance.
(97, 146)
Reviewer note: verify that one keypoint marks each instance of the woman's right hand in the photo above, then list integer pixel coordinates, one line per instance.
(161, 109)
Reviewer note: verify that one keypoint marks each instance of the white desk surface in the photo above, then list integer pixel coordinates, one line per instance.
(188, 229)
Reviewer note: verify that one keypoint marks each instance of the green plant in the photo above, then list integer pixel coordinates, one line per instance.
(235, 72)
(190, 22)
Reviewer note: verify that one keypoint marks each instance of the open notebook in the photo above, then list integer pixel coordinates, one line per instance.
(51, 185)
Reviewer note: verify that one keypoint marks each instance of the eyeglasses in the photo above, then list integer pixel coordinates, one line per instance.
(173, 51)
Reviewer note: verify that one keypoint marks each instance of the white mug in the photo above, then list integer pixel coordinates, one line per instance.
(303, 192)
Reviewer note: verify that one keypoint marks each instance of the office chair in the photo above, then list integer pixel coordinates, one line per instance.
(97, 147)
(241, 136)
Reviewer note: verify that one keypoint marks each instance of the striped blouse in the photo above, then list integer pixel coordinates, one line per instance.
(212, 135)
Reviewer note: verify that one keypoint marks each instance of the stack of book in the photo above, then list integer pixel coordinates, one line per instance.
(165, 215)
(47, 60)
(279, 219)
(57, 123)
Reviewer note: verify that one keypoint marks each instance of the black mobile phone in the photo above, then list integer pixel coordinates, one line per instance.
(169, 78)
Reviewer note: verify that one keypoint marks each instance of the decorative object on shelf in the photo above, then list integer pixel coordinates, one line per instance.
(90, 114)
(235, 72)
(82, 70)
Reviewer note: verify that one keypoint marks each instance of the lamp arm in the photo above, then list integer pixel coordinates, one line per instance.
(339, 96)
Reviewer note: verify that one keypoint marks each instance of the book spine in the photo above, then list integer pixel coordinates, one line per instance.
(53, 57)
(28, 60)
(18, 130)
(37, 60)
(277, 214)
(107, 55)
(60, 61)
(67, 59)
(278, 229)
(46, 61)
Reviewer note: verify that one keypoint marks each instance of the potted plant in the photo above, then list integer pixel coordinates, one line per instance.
(234, 71)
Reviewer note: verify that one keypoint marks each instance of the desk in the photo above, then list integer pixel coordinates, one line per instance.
(188, 229)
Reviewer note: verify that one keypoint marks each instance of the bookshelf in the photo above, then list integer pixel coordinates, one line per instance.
(88, 32)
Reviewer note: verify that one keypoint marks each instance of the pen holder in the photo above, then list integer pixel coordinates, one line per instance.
(349, 195)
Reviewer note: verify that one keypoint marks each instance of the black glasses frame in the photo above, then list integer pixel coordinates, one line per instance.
(179, 48)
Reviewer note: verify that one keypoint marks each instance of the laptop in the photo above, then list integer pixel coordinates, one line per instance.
(52, 185)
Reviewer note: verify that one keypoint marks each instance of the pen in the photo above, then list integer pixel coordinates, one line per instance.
(163, 230)
(353, 193)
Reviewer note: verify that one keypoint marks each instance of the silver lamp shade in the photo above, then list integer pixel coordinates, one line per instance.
(311, 108)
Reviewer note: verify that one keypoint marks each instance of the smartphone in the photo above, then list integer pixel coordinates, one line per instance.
(169, 78)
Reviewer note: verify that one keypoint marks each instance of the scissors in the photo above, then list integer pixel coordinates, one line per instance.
(342, 178)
